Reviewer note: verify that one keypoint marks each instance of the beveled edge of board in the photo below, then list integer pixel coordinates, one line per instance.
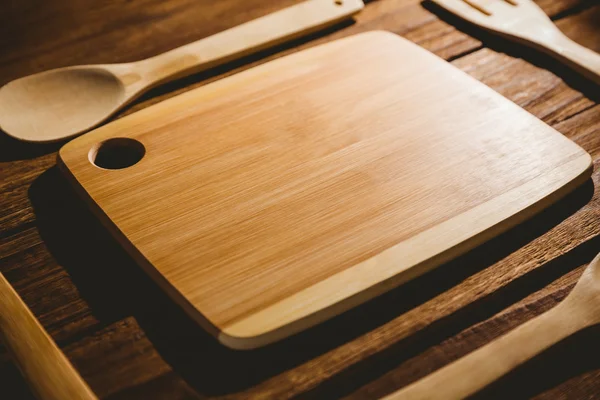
(262, 328)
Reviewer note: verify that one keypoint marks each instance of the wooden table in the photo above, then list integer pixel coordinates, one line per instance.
(128, 340)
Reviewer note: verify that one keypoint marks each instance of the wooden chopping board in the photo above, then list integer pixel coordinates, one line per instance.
(276, 198)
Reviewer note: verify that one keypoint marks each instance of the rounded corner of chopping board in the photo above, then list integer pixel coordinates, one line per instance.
(581, 168)
(379, 34)
(63, 155)
(384, 38)
(268, 326)
(587, 163)
(73, 155)
(239, 342)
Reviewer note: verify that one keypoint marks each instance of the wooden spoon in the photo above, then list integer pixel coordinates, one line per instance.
(48, 372)
(65, 102)
(464, 377)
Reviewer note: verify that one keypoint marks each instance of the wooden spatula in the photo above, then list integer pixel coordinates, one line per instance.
(49, 374)
(65, 102)
(524, 22)
(466, 376)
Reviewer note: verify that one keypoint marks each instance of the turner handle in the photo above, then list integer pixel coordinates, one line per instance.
(578, 57)
(253, 36)
(476, 370)
(48, 372)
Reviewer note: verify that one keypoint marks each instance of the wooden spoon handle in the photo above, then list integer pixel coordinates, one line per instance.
(476, 370)
(253, 36)
(47, 370)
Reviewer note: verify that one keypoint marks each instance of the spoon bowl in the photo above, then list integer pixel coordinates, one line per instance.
(59, 103)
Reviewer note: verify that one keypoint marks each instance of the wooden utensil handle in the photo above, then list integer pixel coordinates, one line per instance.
(576, 56)
(476, 370)
(270, 30)
(48, 372)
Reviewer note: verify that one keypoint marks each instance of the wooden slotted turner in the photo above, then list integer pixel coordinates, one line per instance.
(524, 22)
(468, 375)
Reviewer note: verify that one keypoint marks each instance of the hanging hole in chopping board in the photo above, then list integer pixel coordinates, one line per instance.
(338, 2)
(117, 153)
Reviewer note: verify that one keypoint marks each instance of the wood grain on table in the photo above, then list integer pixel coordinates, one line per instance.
(128, 340)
